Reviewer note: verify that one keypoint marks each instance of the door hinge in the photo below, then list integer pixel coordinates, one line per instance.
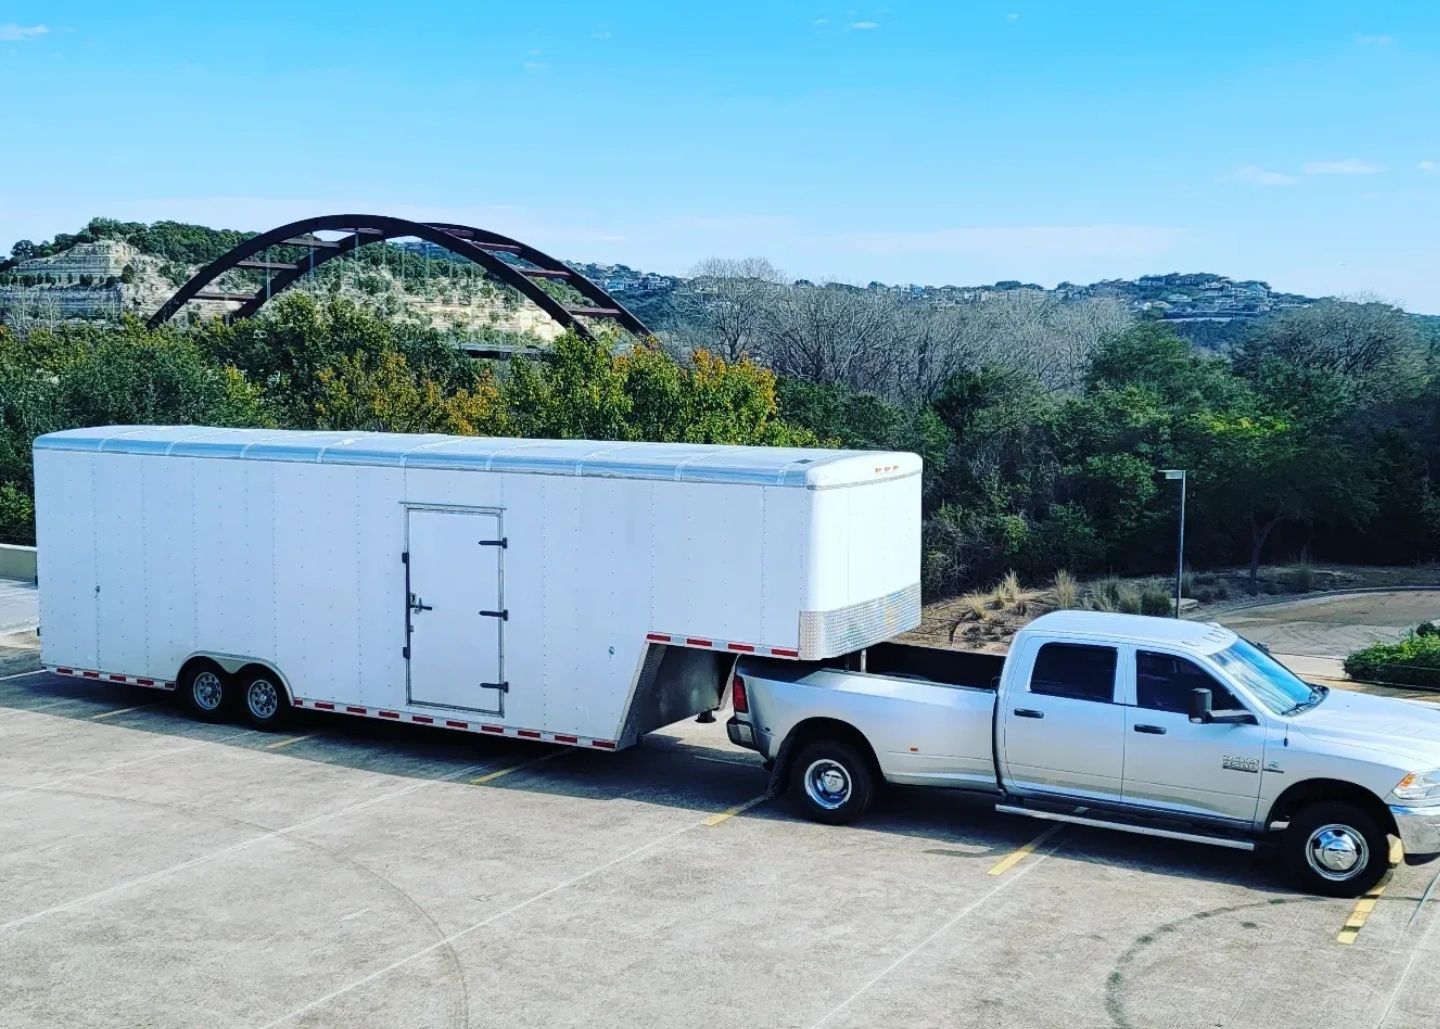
(405, 557)
(504, 616)
(503, 543)
(405, 652)
(503, 687)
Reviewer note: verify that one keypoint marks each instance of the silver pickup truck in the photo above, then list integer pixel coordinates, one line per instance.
(1149, 725)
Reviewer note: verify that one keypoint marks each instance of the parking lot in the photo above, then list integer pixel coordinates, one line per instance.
(157, 871)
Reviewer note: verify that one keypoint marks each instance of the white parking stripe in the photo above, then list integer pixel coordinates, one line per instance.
(962, 914)
(21, 675)
(130, 884)
(448, 940)
(121, 764)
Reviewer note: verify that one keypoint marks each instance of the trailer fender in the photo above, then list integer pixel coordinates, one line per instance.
(231, 664)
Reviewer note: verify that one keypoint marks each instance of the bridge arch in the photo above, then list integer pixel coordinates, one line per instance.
(478, 246)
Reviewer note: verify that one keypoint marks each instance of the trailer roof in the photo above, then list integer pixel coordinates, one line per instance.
(813, 468)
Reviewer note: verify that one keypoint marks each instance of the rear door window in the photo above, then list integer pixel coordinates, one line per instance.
(1079, 671)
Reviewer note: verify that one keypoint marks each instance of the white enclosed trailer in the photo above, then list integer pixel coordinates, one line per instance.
(573, 591)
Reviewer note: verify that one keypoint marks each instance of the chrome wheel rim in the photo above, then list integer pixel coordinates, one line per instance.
(1337, 852)
(827, 784)
(208, 691)
(263, 698)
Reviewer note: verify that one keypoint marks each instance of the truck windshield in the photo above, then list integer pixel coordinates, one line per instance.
(1276, 686)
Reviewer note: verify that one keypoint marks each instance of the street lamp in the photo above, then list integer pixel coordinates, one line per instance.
(1178, 473)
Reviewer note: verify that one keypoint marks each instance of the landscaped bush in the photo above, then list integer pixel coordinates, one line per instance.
(1414, 661)
(1155, 601)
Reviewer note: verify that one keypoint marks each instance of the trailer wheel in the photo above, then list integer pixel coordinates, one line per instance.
(263, 698)
(1335, 849)
(204, 690)
(831, 782)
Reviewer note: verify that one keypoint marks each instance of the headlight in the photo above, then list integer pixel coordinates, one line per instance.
(1420, 786)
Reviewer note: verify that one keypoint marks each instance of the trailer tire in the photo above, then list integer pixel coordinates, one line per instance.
(263, 698)
(831, 782)
(205, 691)
(1335, 849)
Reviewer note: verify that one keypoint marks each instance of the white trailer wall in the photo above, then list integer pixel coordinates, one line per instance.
(158, 544)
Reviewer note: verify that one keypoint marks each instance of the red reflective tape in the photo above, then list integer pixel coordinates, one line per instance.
(566, 739)
(783, 652)
(324, 705)
(145, 682)
(357, 710)
(91, 675)
(529, 734)
(117, 678)
(742, 647)
(691, 641)
(65, 671)
(422, 719)
(603, 744)
(298, 702)
(491, 728)
(658, 637)
(388, 714)
(458, 725)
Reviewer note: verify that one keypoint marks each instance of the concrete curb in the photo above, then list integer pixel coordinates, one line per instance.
(1301, 598)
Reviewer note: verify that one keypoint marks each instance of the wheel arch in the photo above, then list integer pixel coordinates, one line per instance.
(1308, 791)
(232, 665)
(811, 730)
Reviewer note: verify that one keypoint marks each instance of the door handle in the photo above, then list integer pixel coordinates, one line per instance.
(1028, 712)
(1153, 730)
(416, 604)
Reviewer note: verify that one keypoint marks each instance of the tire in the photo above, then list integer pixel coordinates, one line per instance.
(263, 699)
(831, 782)
(1335, 849)
(205, 691)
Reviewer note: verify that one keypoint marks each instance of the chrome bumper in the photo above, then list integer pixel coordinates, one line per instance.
(1419, 831)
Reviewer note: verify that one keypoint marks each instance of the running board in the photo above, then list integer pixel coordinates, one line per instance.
(1143, 830)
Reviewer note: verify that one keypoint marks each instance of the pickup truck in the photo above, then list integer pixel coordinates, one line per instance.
(1149, 725)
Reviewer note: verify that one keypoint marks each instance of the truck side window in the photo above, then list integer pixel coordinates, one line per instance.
(1163, 683)
(1074, 670)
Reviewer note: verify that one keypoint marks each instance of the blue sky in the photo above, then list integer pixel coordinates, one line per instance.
(906, 142)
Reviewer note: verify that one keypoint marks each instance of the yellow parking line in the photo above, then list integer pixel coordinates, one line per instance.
(731, 812)
(1360, 913)
(120, 711)
(289, 740)
(1009, 861)
(492, 776)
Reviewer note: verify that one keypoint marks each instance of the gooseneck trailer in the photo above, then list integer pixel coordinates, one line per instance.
(570, 591)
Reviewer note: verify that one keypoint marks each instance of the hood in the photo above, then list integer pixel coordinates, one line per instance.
(1403, 727)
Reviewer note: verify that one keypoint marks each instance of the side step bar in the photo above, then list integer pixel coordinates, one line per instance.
(1143, 830)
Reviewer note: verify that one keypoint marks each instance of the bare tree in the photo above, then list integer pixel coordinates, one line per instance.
(1358, 338)
(727, 303)
(833, 334)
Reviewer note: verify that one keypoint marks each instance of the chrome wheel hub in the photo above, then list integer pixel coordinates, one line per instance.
(827, 783)
(263, 698)
(1337, 852)
(208, 691)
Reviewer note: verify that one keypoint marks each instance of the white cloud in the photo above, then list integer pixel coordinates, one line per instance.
(534, 53)
(1258, 176)
(601, 32)
(1374, 40)
(864, 26)
(821, 21)
(535, 66)
(1352, 166)
(1012, 16)
(11, 32)
(1428, 167)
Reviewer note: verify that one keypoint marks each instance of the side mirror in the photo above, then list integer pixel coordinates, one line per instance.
(1200, 702)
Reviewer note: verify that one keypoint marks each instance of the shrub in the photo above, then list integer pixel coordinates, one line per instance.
(1009, 593)
(1155, 601)
(1067, 590)
(1427, 629)
(1301, 578)
(1413, 661)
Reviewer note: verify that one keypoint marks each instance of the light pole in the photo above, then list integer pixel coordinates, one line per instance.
(1178, 473)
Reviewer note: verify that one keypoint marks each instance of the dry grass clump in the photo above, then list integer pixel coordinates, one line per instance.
(1067, 591)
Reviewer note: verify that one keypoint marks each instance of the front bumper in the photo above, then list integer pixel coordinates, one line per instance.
(1419, 829)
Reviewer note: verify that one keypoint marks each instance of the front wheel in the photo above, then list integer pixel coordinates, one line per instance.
(831, 782)
(1335, 849)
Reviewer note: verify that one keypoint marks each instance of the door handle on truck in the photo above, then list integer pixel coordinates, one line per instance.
(1028, 712)
(1154, 730)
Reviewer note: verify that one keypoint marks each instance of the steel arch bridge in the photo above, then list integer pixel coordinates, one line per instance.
(478, 246)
